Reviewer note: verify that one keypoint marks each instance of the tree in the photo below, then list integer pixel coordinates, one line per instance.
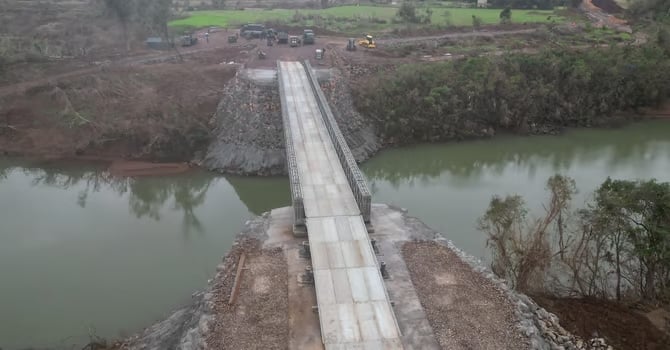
(476, 22)
(506, 16)
(407, 12)
(644, 208)
(123, 10)
(521, 248)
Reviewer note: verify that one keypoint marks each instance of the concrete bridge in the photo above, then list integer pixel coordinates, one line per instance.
(331, 205)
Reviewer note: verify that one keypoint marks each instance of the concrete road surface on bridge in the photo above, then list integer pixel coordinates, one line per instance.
(353, 304)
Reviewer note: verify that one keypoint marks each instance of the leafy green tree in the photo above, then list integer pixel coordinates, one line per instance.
(644, 207)
(407, 12)
(506, 16)
(476, 22)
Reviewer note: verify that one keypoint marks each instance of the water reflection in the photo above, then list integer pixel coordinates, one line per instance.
(146, 195)
(144, 245)
(261, 196)
(466, 163)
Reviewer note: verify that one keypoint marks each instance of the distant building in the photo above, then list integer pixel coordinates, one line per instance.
(482, 3)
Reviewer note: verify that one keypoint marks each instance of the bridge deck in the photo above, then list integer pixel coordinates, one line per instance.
(354, 309)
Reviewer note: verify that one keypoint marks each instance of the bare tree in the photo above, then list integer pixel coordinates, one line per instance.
(123, 10)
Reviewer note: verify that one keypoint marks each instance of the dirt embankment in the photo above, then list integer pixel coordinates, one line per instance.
(623, 328)
(152, 112)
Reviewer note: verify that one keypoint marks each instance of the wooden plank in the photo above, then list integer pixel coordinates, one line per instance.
(352, 254)
(359, 289)
(385, 319)
(335, 257)
(357, 227)
(323, 282)
(366, 320)
(330, 229)
(348, 325)
(319, 254)
(343, 228)
(374, 283)
(238, 278)
(342, 286)
(330, 323)
(365, 248)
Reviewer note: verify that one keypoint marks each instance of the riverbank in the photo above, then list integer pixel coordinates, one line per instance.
(270, 298)
(228, 119)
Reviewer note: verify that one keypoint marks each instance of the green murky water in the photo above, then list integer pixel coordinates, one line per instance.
(82, 252)
(450, 186)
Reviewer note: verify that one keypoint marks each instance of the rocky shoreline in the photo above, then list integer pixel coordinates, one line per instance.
(193, 327)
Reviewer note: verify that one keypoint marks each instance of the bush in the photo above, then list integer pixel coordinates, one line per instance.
(519, 93)
(407, 12)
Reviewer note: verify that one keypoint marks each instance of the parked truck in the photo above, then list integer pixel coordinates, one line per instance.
(308, 37)
(250, 31)
(282, 38)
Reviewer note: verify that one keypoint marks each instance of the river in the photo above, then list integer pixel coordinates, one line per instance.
(82, 252)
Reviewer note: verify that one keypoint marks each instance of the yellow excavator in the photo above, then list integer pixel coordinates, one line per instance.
(368, 42)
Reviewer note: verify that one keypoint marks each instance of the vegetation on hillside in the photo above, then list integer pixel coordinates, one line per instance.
(524, 93)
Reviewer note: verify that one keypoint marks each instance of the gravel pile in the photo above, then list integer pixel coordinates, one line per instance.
(540, 326)
(259, 318)
(465, 310)
(248, 128)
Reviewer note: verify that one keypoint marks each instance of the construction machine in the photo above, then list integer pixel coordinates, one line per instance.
(368, 42)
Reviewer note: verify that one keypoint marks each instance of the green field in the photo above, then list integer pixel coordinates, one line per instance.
(354, 19)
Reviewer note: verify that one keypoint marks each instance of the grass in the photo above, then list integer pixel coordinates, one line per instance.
(355, 19)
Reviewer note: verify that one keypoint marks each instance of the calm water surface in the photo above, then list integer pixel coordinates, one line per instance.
(450, 186)
(81, 252)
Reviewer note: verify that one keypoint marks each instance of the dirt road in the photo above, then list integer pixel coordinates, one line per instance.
(480, 33)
